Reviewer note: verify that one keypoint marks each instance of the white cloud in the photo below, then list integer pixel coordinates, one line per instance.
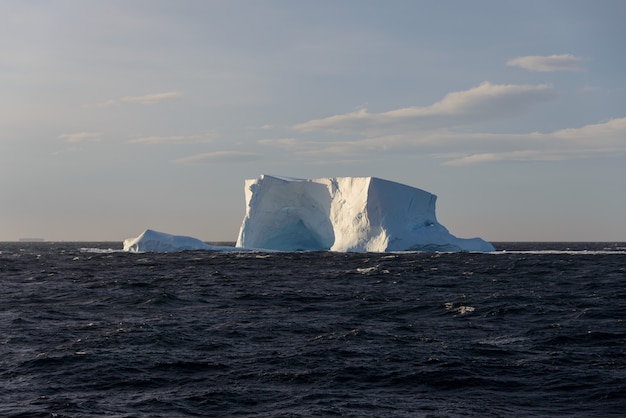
(458, 148)
(486, 101)
(550, 63)
(174, 139)
(613, 130)
(147, 99)
(81, 137)
(527, 155)
(218, 157)
(283, 142)
(437, 131)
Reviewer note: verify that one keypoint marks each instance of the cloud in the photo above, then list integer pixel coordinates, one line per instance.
(486, 101)
(550, 63)
(527, 155)
(147, 99)
(439, 131)
(588, 89)
(613, 130)
(175, 139)
(283, 142)
(218, 157)
(81, 137)
(459, 148)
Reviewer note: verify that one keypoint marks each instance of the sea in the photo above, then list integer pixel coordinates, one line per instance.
(530, 330)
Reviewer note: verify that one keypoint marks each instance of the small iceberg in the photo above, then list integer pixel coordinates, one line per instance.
(160, 242)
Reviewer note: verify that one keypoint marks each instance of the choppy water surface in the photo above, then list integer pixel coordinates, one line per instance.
(536, 330)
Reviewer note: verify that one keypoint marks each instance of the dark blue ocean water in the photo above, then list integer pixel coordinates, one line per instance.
(536, 330)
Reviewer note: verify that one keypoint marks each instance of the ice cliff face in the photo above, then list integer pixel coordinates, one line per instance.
(344, 214)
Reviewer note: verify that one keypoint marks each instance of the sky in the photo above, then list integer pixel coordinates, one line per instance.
(118, 116)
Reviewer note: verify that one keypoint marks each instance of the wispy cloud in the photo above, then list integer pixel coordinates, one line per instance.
(174, 139)
(218, 157)
(528, 155)
(459, 148)
(486, 101)
(550, 63)
(283, 142)
(81, 137)
(147, 99)
(440, 131)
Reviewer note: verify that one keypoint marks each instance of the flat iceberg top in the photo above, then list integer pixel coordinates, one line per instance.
(344, 214)
(323, 180)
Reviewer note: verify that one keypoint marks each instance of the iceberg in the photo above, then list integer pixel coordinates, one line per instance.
(344, 214)
(153, 241)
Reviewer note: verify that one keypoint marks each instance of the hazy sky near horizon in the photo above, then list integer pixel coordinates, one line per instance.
(117, 116)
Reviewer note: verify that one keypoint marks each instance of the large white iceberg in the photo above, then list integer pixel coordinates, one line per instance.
(153, 241)
(354, 214)
(344, 214)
